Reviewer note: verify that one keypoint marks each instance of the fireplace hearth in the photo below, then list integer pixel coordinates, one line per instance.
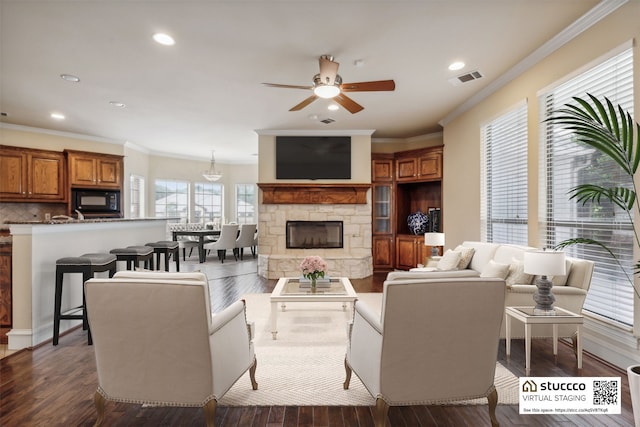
(314, 234)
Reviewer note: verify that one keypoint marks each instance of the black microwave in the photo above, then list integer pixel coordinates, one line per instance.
(95, 201)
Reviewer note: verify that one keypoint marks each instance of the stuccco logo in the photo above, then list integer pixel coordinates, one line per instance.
(530, 386)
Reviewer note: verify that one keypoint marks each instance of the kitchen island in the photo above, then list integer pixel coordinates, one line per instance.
(37, 246)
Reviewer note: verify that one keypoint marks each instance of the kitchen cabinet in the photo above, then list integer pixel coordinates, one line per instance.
(29, 175)
(94, 170)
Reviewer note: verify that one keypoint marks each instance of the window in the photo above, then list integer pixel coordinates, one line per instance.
(208, 203)
(172, 199)
(565, 164)
(136, 197)
(504, 178)
(246, 203)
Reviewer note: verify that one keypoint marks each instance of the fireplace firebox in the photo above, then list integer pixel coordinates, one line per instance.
(314, 234)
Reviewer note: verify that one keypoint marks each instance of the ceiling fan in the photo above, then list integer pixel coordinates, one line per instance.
(328, 84)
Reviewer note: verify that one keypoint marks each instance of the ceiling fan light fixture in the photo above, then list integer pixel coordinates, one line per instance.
(326, 91)
(212, 174)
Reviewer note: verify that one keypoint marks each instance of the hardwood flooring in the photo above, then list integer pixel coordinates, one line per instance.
(54, 386)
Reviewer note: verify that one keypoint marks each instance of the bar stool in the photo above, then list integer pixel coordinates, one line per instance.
(133, 255)
(166, 247)
(87, 264)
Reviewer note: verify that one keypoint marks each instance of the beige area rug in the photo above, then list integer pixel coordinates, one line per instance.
(305, 365)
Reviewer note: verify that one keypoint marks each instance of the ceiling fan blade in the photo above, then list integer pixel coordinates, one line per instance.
(348, 103)
(304, 103)
(379, 85)
(288, 86)
(328, 69)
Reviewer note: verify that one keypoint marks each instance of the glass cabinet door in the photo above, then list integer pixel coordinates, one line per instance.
(382, 208)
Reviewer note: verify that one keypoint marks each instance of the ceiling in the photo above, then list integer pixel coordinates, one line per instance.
(205, 92)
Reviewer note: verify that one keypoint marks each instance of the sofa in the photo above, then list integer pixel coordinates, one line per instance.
(480, 259)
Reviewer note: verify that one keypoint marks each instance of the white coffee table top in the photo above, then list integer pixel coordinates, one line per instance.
(289, 289)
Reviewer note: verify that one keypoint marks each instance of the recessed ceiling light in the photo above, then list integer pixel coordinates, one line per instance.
(458, 65)
(333, 107)
(312, 117)
(118, 104)
(164, 39)
(70, 78)
(57, 116)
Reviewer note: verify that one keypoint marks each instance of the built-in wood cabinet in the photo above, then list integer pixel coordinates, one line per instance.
(5, 292)
(419, 165)
(94, 170)
(410, 251)
(29, 175)
(383, 246)
(403, 183)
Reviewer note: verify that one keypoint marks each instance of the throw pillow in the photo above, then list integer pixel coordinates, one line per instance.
(516, 275)
(465, 256)
(449, 261)
(495, 270)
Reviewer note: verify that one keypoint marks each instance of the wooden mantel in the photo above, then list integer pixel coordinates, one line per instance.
(305, 194)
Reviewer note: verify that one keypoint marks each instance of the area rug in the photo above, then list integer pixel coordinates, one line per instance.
(304, 366)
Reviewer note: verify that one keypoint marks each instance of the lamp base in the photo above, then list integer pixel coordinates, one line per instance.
(544, 298)
(434, 251)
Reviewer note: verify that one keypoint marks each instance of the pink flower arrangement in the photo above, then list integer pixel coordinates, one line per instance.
(313, 267)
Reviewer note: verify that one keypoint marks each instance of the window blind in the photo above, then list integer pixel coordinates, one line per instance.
(504, 178)
(172, 199)
(136, 196)
(208, 202)
(565, 164)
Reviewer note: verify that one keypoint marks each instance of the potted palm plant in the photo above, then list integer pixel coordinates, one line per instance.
(613, 133)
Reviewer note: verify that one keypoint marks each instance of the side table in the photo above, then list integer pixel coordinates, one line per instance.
(526, 316)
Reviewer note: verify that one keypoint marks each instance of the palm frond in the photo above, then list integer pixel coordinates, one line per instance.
(624, 198)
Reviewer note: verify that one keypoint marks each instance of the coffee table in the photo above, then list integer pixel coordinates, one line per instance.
(526, 316)
(289, 289)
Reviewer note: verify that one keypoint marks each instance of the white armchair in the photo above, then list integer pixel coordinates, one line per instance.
(156, 342)
(245, 239)
(435, 341)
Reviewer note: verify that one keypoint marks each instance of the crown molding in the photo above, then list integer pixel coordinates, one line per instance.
(586, 21)
(23, 128)
(307, 132)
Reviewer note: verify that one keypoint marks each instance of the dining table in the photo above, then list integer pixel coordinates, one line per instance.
(202, 235)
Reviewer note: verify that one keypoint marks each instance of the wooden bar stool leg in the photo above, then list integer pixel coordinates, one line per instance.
(58, 305)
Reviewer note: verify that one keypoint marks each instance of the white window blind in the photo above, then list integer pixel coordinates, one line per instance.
(136, 197)
(246, 203)
(172, 199)
(565, 164)
(504, 178)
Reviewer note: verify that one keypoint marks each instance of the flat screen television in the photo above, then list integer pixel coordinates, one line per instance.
(313, 157)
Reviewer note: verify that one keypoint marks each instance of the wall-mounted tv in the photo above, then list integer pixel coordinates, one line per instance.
(313, 157)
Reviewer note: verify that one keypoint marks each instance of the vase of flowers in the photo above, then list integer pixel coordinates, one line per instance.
(313, 267)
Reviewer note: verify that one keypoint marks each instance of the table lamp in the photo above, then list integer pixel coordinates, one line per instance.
(434, 240)
(543, 264)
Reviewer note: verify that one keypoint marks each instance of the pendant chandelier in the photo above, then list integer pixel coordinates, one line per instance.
(212, 174)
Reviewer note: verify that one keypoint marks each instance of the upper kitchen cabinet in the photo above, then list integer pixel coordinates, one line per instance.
(94, 170)
(28, 175)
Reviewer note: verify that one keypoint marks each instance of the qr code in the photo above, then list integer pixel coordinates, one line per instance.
(605, 392)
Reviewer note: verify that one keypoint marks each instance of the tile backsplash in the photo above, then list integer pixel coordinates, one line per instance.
(29, 211)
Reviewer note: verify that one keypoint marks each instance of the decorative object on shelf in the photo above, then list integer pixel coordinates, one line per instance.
(434, 220)
(418, 222)
(434, 240)
(212, 174)
(313, 267)
(543, 264)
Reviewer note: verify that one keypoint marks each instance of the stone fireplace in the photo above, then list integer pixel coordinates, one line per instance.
(311, 211)
(314, 235)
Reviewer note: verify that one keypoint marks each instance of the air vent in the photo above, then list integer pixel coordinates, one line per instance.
(327, 121)
(465, 78)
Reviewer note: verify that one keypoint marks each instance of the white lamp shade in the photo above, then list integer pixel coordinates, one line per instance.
(434, 239)
(544, 263)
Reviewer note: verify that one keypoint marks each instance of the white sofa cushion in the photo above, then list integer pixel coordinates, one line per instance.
(483, 252)
(516, 275)
(495, 270)
(449, 261)
(465, 256)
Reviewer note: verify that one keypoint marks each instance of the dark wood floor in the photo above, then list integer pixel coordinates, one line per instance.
(54, 386)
